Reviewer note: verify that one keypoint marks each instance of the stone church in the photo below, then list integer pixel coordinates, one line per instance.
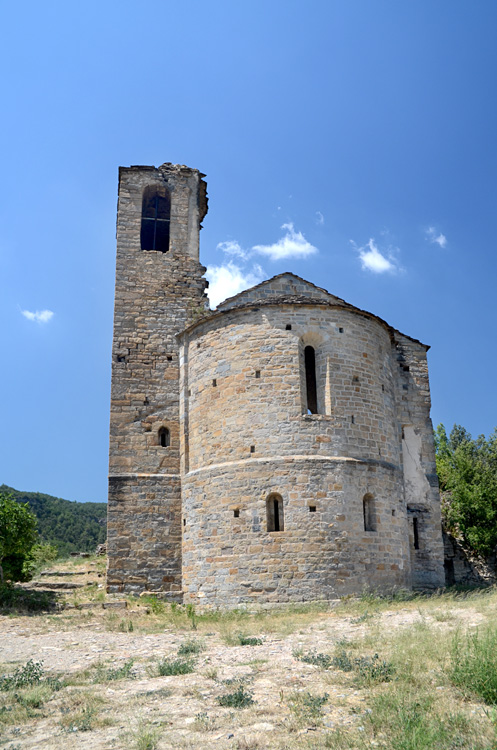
(276, 449)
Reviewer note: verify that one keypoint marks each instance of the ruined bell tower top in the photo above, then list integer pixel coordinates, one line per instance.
(161, 209)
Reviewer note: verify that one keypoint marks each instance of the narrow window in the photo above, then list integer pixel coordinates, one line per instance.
(310, 379)
(288, 327)
(312, 508)
(252, 448)
(214, 383)
(274, 513)
(164, 437)
(257, 373)
(415, 529)
(236, 513)
(156, 217)
(368, 510)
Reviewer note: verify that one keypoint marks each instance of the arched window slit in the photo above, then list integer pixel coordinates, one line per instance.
(310, 379)
(369, 513)
(164, 437)
(274, 513)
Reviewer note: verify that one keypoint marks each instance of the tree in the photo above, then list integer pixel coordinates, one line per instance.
(467, 470)
(17, 536)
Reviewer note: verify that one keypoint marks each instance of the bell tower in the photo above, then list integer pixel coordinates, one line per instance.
(159, 292)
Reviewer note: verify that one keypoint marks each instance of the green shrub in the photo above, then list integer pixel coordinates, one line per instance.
(246, 640)
(168, 666)
(239, 698)
(191, 647)
(342, 661)
(474, 663)
(30, 674)
(109, 674)
(306, 707)
(369, 669)
(313, 657)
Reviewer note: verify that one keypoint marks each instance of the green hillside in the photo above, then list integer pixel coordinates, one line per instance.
(69, 526)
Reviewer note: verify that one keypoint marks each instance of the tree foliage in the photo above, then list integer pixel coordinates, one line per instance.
(69, 526)
(467, 470)
(17, 536)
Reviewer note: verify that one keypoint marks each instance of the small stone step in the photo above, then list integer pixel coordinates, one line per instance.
(61, 573)
(54, 586)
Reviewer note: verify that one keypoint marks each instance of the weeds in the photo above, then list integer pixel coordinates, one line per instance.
(169, 666)
(474, 663)
(86, 717)
(109, 674)
(313, 657)
(192, 616)
(239, 698)
(191, 647)
(246, 640)
(145, 736)
(203, 722)
(33, 697)
(410, 722)
(211, 673)
(126, 626)
(306, 707)
(362, 618)
(369, 669)
(30, 674)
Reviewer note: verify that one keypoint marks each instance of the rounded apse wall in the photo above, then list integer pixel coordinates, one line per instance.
(280, 504)
(245, 390)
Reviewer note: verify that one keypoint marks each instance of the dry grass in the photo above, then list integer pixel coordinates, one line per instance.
(367, 672)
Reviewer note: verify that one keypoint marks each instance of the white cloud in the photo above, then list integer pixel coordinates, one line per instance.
(292, 245)
(42, 316)
(232, 247)
(319, 218)
(433, 235)
(374, 261)
(230, 279)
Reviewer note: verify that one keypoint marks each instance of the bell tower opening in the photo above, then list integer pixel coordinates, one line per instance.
(156, 217)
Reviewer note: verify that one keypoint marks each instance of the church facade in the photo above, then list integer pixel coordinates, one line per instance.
(276, 449)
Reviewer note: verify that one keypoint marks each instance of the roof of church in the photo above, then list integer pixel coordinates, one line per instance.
(289, 289)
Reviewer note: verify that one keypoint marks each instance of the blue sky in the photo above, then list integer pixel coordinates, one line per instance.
(351, 142)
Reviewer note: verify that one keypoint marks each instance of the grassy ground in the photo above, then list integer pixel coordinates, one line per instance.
(404, 673)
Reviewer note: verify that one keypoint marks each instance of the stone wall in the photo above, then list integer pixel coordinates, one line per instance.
(245, 386)
(418, 459)
(157, 295)
(246, 434)
(323, 553)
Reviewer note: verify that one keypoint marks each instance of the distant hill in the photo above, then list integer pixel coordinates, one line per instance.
(69, 526)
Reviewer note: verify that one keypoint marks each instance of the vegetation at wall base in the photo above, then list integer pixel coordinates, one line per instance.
(68, 526)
